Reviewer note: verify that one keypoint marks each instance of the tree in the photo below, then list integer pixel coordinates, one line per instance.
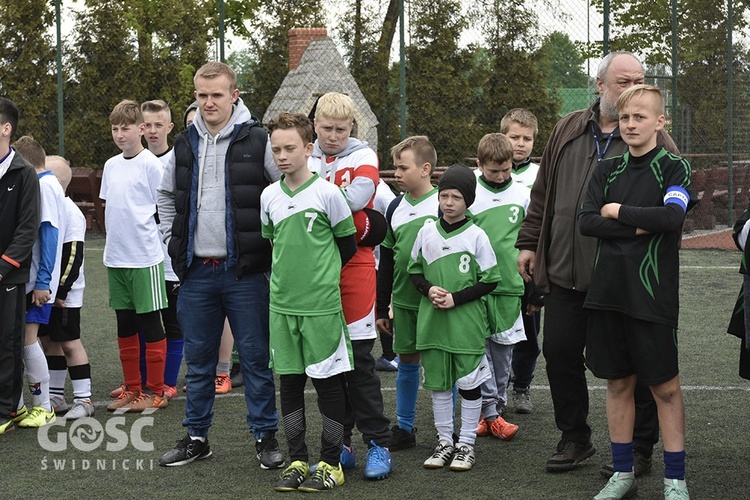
(702, 38)
(27, 67)
(137, 50)
(515, 76)
(270, 47)
(564, 62)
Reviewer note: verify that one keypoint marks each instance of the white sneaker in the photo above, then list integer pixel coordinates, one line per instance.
(464, 458)
(441, 457)
(58, 403)
(81, 408)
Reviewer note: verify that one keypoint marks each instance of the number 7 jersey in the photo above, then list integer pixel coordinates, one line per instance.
(306, 265)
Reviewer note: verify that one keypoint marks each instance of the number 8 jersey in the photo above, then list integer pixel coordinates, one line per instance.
(453, 261)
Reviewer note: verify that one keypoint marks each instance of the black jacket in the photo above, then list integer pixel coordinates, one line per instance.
(19, 220)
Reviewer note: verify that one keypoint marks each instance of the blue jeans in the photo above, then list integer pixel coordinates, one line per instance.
(209, 293)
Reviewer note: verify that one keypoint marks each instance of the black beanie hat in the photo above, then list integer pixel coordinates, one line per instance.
(462, 178)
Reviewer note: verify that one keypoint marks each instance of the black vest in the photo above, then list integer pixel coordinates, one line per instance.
(246, 180)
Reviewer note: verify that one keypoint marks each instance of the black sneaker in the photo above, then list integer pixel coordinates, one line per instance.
(268, 452)
(401, 439)
(569, 455)
(186, 451)
(235, 375)
(293, 476)
(641, 464)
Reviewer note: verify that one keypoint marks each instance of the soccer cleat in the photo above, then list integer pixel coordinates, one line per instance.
(379, 463)
(347, 458)
(187, 450)
(522, 401)
(170, 391)
(123, 399)
(386, 365)
(81, 408)
(58, 404)
(620, 485)
(267, 451)
(235, 376)
(145, 401)
(463, 458)
(115, 393)
(6, 425)
(483, 429)
(502, 429)
(293, 476)
(675, 489)
(325, 477)
(38, 417)
(20, 414)
(223, 383)
(441, 456)
(401, 439)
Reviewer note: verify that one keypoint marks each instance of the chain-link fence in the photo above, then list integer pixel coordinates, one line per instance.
(707, 97)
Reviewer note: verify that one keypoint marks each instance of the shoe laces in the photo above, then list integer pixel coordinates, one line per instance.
(324, 474)
(37, 411)
(124, 394)
(378, 453)
(141, 396)
(462, 453)
(293, 469)
(268, 443)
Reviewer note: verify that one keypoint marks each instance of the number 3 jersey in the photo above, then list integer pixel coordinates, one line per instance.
(303, 225)
(500, 212)
(453, 261)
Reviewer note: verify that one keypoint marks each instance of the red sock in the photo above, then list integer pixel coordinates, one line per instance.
(130, 352)
(156, 357)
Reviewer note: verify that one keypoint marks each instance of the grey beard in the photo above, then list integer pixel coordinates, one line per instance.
(608, 109)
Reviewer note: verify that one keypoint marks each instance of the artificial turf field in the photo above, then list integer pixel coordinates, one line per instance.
(718, 429)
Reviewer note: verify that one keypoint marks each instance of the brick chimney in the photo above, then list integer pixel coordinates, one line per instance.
(299, 40)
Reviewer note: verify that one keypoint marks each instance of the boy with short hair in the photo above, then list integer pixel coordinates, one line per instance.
(61, 338)
(520, 126)
(453, 265)
(43, 283)
(19, 229)
(352, 165)
(306, 216)
(157, 118)
(499, 209)
(635, 205)
(134, 259)
(413, 158)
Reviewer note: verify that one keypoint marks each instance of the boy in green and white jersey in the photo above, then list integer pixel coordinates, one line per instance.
(499, 209)
(453, 266)
(414, 158)
(311, 226)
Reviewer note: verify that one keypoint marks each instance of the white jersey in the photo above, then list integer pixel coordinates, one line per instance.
(383, 197)
(526, 175)
(129, 188)
(52, 199)
(75, 230)
(169, 273)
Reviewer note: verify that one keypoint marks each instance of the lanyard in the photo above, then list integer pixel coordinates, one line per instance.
(599, 151)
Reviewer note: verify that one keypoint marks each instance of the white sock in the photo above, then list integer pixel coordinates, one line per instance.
(57, 382)
(470, 412)
(442, 409)
(37, 375)
(20, 402)
(81, 389)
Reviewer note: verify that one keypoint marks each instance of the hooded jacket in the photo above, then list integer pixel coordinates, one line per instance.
(209, 199)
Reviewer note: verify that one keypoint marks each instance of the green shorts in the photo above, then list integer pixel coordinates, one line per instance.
(443, 370)
(404, 330)
(502, 311)
(143, 290)
(316, 345)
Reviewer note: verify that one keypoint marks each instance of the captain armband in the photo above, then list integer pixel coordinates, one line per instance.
(677, 195)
